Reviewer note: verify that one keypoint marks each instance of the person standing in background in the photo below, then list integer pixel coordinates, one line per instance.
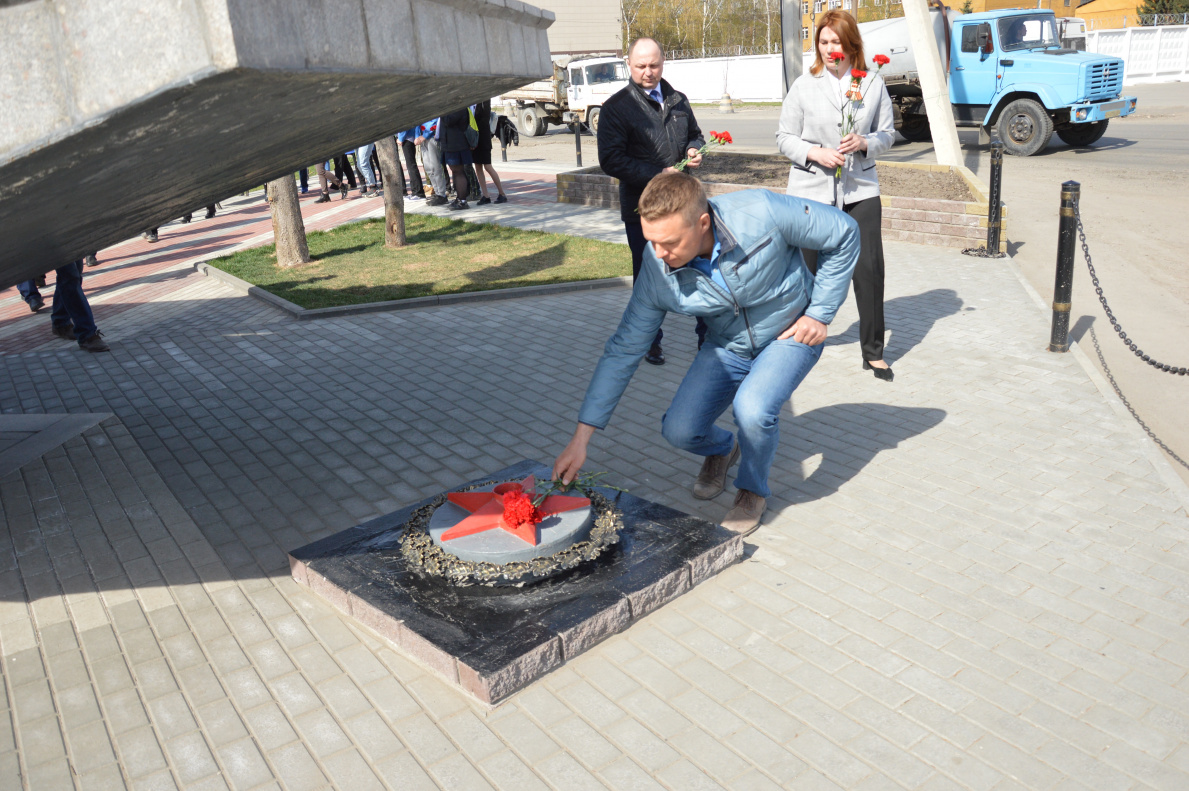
(409, 150)
(840, 171)
(482, 155)
(644, 129)
(431, 157)
(456, 151)
(363, 158)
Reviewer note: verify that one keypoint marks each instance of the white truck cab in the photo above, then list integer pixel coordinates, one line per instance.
(590, 83)
(578, 85)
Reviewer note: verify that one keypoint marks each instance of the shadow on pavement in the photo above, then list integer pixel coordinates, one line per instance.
(847, 437)
(909, 318)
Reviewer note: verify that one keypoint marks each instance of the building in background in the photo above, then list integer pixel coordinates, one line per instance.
(1058, 7)
(585, 27)
(1109, 14)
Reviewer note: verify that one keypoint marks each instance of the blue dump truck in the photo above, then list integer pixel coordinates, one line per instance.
(1009, 73)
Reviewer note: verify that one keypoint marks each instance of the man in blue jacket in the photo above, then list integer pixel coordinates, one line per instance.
(736, 263)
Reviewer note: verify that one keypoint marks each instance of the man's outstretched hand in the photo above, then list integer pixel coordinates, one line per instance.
(570, 461)
(805, 330)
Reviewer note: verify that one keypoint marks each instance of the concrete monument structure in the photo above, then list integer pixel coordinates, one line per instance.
(120, 115)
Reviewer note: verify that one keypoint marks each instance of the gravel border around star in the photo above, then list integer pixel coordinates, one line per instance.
(421, 554)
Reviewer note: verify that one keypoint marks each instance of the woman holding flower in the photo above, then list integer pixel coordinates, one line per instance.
(835, 121)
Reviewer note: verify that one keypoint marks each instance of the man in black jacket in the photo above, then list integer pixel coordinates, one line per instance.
(644, 129)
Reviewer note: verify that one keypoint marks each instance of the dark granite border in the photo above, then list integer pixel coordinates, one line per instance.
(492, 642)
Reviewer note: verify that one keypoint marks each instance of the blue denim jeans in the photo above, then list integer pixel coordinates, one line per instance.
(363, 160)
(757, 390)
(28, 288)
(431, 158)
(70, 304)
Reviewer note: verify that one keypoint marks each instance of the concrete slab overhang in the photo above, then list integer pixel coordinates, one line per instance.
(120, 115)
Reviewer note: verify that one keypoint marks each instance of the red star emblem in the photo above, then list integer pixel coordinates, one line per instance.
(487, 511)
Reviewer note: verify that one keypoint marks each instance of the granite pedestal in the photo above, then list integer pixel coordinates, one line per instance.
(492, 642)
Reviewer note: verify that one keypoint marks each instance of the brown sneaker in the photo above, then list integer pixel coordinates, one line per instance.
(64, 331)
(713, 476)
(745, 517)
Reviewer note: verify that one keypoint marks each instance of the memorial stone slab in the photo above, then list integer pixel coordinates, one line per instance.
(121, 115)
(493, 641)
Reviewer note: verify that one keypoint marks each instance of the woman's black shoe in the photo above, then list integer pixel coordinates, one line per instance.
(880, 373)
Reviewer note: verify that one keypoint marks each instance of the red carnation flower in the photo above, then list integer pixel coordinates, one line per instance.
(519, 509)
(722, 138)
(857, 74)
(837, 56)
(881, 60)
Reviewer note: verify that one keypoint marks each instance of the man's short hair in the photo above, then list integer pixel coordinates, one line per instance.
(673, 193)
(632, 47)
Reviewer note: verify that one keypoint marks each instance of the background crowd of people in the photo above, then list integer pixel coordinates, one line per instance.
(455, 153)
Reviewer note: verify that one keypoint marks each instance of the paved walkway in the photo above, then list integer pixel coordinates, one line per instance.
(971, 578)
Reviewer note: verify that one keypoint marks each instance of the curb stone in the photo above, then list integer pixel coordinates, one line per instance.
(1164, 468)
(298, 312)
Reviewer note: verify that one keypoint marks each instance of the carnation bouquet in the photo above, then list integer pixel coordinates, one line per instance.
(716, 139)
(854, 97)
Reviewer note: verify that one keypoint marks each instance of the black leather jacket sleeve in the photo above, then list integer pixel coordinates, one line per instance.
(695, 134)
(615, 135)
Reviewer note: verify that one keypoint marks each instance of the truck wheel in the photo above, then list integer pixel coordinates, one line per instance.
(532, 124)
(1082, 135)
(592, 120)
(1024, 127)
(915, 128)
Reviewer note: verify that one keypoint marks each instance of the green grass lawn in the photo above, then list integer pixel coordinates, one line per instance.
(351, 265)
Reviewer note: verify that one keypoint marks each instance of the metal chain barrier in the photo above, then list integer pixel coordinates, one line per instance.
(1106, 369)
(1115, 322)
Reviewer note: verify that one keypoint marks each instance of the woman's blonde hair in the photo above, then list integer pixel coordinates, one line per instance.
(849, 37)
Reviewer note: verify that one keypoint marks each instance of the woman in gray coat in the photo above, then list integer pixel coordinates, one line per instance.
(840, 171)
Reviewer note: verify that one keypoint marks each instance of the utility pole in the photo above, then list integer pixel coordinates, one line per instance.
(791, 45)
(932, 74)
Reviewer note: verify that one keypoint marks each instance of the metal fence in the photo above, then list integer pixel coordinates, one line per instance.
(1137, 20)
(723, 52)
(1147, 20)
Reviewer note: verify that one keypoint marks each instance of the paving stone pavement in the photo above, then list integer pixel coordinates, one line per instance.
(970, 578)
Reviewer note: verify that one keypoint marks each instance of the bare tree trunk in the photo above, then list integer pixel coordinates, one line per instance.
(768, 22)
(287, 227)
(394, 193)
(705, 25)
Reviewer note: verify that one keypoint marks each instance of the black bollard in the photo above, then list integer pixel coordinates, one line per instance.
(1066, 247)
(578, 140)
(995, 210)
(504, 149)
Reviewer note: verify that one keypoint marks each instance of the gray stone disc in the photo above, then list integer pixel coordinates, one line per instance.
(554, 534)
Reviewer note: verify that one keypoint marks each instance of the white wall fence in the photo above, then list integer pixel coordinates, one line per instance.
(1150, 54)
(748, 78)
